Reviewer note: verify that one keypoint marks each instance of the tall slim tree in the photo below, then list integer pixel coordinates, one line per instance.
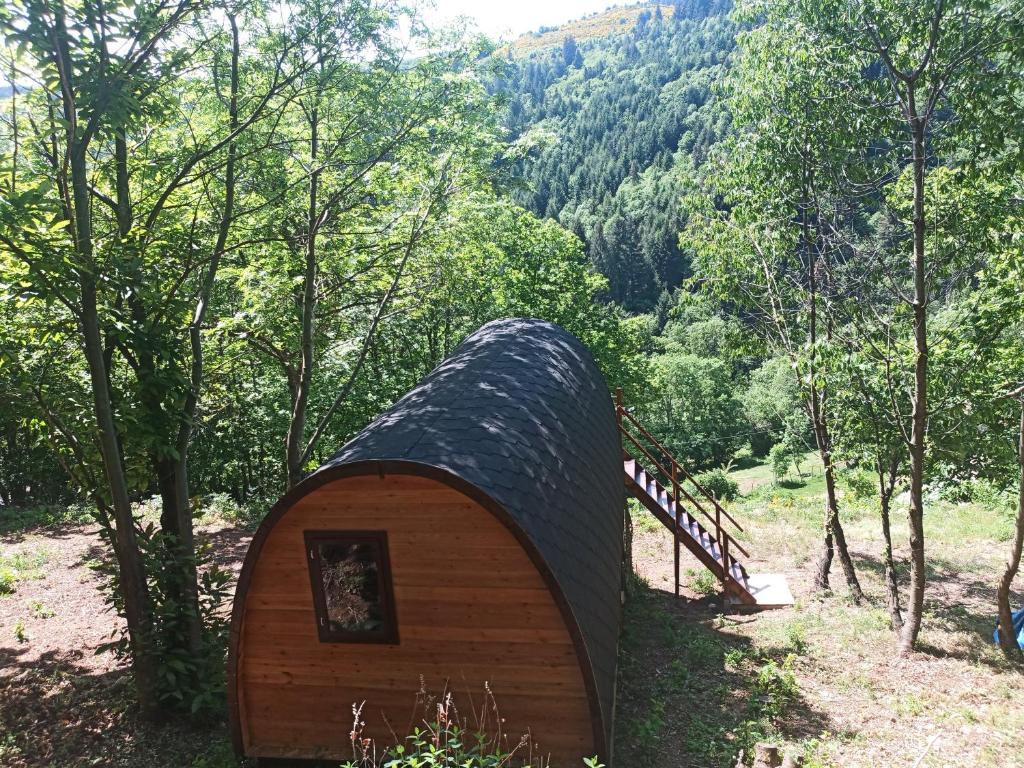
(119, 222)
(762, 231)
(904, 70)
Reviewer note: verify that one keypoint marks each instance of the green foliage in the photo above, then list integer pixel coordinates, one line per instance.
(263, 236)
(796, 637)
(745, 694)
(862, 483)
(773, 405)
(780, 457)
(18, 566)
(222, 507)
(719, 484)
(189, 679)
(40, 611)
(704, 583)
(220, 756)
(610, 141)
(16, 519)
(987, 493)
(646, 731)
(696, 412)
(447, 739)
(19, 631)
(774, 690)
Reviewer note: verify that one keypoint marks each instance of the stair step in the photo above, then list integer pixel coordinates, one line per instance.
(742, 589)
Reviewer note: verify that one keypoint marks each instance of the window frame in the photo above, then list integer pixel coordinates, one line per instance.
(388, 634)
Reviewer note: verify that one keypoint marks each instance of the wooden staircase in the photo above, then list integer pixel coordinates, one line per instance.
(693, 515)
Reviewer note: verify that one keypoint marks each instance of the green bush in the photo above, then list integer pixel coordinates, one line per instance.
(718, 483)
(13, 519)
(187, 682)
(862, 484)
(7, 581)
(772, 404)
(694, 409)
(779, 458)
(447, 739)
(19, 566)
(704, 583)
(774, 689)
(988, 494)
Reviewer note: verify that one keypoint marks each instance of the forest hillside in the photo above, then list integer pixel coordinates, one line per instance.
(617, 110)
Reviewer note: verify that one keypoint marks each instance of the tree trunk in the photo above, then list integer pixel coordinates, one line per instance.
(886, 487)
(179, 562)
(835, 537)
(824, 564)
(849, 571)
(300, 398)
(183, 506)
(919, 416)
(834, 533)
(1007, 638)
(131, 572)
(833, 529)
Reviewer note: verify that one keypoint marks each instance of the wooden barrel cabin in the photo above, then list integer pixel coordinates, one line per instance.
(470, 536)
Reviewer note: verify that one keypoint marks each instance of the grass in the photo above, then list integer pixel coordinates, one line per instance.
(688, 681)
(756, 475)
(17, 520)
(703, 583)
(822, 678)
(19, 566)
(39, 610)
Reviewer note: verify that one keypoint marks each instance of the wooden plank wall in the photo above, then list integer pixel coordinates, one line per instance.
(472, 609)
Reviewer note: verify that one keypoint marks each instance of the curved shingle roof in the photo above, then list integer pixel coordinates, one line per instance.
(521, 411)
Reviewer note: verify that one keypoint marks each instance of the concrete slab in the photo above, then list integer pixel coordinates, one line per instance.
(770, 589)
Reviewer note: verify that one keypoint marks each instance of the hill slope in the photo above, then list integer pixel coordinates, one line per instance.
(619, 121)
(610, 22)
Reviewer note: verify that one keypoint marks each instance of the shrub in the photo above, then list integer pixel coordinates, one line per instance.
(40, 611)
(188, 682)
(646, 731)
(796, 636)
(988, 494)
(221, 507)
(718, 483)
(7, 581)
(862, 484)
(778, 456)
(774, 689)
(704, 583)
(24, 518)
(447, 739)
(20, 566)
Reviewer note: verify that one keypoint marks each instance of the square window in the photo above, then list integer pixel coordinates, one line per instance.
(351, 578)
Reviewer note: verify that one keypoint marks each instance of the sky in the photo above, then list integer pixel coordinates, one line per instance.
(510, 18)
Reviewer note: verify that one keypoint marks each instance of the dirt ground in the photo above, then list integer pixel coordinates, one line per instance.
(697, 683)
(854, 702)
(61, 702)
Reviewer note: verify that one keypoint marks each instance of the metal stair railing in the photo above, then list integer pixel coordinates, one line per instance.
(675, 473)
